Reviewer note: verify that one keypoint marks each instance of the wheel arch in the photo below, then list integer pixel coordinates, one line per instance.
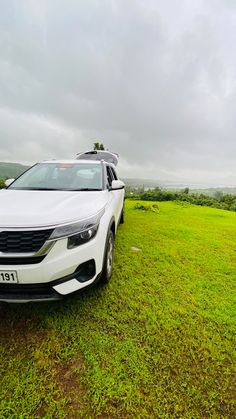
(112, 226)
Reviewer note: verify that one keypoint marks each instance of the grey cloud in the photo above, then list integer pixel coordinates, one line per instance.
(156, 83)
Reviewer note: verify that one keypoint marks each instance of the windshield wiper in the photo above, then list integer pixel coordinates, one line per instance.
(87, 189)
(35, 189)
(45, 189)
(56, 189)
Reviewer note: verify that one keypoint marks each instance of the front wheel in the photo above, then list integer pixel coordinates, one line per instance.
(108, 259)
(122, 216)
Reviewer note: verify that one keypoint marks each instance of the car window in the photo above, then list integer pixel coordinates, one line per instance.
(114, 173)
(109, 176)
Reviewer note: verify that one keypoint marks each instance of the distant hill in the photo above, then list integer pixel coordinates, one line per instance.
(230, 190)
(151, 183)
(172, 186)
(11, 170)
(137, 183)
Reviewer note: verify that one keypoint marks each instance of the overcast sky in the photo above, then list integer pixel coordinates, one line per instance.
(154, 81)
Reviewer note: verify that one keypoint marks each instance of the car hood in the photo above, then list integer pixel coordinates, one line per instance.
(19, 208)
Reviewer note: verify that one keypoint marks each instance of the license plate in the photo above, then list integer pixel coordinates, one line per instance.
(8, 276)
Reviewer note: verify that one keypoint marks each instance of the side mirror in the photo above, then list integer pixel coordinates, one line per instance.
(9, 181)
(117, 184)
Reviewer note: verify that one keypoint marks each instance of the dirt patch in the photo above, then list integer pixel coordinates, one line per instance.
(24, 331)
(68, 375)
(68, 379)
(40, 413)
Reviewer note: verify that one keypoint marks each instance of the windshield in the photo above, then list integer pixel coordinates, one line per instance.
(61, 176)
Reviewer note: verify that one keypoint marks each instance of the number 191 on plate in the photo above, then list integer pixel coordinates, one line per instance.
(8, 276)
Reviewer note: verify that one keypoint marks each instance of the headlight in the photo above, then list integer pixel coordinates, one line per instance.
(81, 238)
(81, 227)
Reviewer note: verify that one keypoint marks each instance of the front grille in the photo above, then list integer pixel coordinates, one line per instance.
(23, 241)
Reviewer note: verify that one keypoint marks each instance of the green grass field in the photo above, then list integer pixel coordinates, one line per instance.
(157, 342)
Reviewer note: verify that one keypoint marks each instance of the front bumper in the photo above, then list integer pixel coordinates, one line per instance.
(57, 274)
(53, 290)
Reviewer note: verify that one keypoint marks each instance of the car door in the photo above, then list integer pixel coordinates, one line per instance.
(117, 195)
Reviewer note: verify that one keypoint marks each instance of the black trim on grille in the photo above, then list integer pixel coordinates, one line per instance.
(28, 291)
(23, 241)
(29, 295)
(18, 288)
(21, 261)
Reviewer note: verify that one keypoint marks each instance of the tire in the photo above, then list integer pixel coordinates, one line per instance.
(122, 216)
(108, 259)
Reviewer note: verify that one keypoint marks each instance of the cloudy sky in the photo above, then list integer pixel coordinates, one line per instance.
(154, 81)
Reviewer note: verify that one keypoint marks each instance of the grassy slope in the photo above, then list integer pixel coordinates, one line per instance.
(157, 342)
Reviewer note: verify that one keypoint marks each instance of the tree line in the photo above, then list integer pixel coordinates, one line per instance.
(224, 201)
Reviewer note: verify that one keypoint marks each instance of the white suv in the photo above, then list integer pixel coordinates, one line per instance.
(57, 227)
